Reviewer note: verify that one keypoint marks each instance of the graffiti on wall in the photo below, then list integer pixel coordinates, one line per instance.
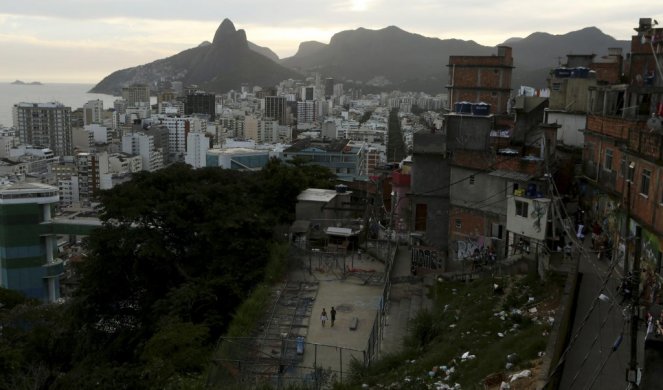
(650, 248)
(469, 246)
(426, 257)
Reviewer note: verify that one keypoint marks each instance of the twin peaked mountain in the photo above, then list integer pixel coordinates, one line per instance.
(397, 58)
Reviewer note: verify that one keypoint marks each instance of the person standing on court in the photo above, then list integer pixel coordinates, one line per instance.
(333, 315)
(323, 317)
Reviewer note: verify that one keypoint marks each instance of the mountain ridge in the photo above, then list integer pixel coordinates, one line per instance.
(225, 63)
(398, 58)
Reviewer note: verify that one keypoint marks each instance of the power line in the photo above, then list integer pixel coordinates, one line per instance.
(593, 306)
(482, 170)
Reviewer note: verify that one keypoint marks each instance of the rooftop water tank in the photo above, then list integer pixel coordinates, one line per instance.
(465, 108)
(562, 72)
(580, 72)
(481, 108)
(341, 188)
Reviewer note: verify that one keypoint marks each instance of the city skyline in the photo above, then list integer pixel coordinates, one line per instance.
(71, 41)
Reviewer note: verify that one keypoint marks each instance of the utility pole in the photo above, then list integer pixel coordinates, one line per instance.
(627, 231)
(635, 310)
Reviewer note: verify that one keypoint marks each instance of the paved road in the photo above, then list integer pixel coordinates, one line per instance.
(590, 363)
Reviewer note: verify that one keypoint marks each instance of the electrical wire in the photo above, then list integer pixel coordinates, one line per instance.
(599, 369)
(594, 303)
(486, 169)
(596, 338)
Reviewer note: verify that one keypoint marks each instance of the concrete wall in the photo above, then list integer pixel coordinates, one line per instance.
(430, 186)
(570, 133)
(468, 132)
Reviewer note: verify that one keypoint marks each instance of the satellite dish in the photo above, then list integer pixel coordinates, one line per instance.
(655, 123)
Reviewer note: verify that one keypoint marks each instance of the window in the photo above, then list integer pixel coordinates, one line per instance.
(644, 182)
(607, 163)
(458, 224)
(556, 86)
(472, 180)
(521, 208)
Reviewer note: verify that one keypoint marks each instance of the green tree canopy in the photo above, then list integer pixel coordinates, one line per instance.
(179, 249)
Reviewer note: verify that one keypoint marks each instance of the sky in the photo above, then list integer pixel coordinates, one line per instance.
(82, 41)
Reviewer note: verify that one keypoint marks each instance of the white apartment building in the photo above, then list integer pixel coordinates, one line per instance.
(83, 140)
(100, 133)
(178, 129)
(124, 163)
(68, 191)
(142, 145)
(196, 149)
(93, 112)
(307, 111)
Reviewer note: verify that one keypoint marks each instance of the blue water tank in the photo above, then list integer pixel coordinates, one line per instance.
(562, 72)
(580, 72)
(457, 107)
(481, 108)
(465, 108)
(531, 190)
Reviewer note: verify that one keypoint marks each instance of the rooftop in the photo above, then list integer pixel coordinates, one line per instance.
(316, 195)
(334, 146)
(24, 186)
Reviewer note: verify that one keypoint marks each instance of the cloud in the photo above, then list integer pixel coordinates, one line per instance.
(132, 32)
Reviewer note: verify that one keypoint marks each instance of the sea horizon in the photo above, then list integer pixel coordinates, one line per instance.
(73, 95)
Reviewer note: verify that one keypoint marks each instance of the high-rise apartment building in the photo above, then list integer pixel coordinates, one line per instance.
(136, 94)
(44, 124)
(196, 149)
(199, 102)
(329, 87)
(276, 108)
(89, 168)
(93, 112)
(141, 144)
(307, 112)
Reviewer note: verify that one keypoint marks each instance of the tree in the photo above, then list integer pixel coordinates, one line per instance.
(178, 251)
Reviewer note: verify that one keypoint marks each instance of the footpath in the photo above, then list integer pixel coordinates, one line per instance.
(408, 295)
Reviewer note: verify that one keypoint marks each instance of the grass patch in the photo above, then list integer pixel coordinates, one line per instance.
(464, 320)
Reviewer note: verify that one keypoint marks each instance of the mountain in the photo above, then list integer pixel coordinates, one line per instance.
(267, 52)
(394, 54)
(225, 64)
(413, 62)
(388, 58)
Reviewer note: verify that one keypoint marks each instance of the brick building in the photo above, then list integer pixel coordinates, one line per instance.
(623, 151)
(482, 79)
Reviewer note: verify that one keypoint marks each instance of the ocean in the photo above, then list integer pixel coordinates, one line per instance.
(71, 95)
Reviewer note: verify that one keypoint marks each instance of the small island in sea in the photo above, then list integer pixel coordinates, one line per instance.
(19, 82)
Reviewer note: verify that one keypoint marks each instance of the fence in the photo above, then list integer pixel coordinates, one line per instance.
(290, 362)
(377, 330)
(250, 362)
